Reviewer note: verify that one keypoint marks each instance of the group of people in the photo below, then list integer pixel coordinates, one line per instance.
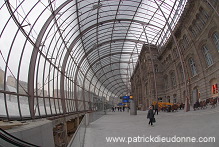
(121, 109)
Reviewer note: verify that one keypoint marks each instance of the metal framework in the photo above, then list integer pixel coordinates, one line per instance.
(58, 56)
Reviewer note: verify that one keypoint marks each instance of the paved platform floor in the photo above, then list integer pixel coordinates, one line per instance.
(200, 123)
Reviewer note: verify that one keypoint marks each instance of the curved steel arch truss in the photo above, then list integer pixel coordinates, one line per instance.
(57, 56)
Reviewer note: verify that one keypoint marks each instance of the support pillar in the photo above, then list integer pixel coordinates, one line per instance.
(133, 109)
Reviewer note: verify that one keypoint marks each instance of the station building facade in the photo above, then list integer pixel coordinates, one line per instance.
(158, 75)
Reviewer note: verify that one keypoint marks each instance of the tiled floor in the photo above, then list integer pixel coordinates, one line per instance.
(200, 123)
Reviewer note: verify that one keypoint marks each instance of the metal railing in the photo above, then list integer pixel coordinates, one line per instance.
(79, 136)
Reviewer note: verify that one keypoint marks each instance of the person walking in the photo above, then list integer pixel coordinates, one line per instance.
(156, 108)
(113, 109)
(128, 108)
(150, 116)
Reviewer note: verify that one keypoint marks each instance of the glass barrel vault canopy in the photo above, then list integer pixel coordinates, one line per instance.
(61, 54)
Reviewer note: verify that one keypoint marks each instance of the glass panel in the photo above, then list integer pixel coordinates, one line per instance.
(100, 40)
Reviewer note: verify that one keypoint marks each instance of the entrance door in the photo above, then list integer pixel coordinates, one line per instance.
(194, 95)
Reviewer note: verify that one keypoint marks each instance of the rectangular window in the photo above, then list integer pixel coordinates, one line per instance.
(185, 41)
(203, 22)
(207, 55)
(204, 14)
(216, 40)
(198, 27)
(194, 33)
(214, 89)
(193, 67)
(156, 68)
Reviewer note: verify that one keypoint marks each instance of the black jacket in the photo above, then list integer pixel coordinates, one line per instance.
(150, 114)
(156, 106)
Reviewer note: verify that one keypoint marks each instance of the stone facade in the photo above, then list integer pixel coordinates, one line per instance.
(142, 81)
(2, 73)
(40, 92)
(197, 37)
(11, 81)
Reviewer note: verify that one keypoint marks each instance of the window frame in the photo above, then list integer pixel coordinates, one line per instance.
(208, 58)
(193, 66)
(215, 37)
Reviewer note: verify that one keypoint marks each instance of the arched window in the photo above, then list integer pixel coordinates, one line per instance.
(192, 66)
(207, 55)
(216, 40)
